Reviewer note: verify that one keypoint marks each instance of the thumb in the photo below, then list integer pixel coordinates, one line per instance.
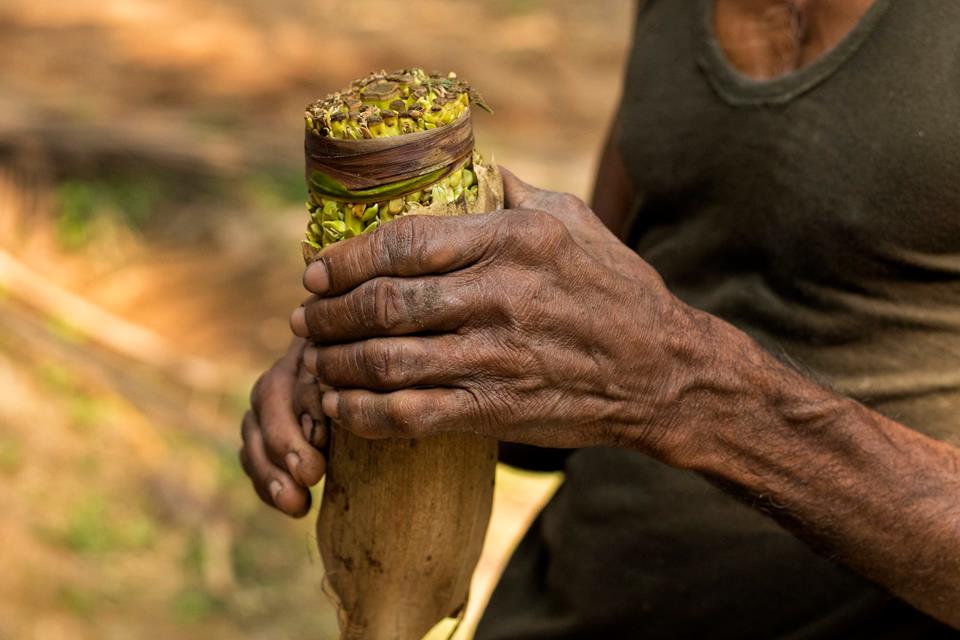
(517, 194)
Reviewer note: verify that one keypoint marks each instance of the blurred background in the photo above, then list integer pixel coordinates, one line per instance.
(151, 206)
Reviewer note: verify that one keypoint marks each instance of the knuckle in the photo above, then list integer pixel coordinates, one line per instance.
(571, 201)
(544, 232)
(402, 242)
(554, 234)
(547, 224)
(388, 304)
(383, 363)
(400, 418)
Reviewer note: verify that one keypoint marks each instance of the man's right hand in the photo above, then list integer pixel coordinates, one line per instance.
(284, 434)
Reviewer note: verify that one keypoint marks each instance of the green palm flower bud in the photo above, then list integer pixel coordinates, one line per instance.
(406, 123)
(391, 122)
(354, 226)
(387, 105)
(332, 211)
(338, 121)
(375, 125)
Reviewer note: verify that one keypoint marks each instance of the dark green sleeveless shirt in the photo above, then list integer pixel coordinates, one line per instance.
(820, 213)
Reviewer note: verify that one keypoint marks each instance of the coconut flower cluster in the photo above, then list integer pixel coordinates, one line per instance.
(384, 105)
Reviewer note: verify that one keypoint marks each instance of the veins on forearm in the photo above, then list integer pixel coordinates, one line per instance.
(857, 486)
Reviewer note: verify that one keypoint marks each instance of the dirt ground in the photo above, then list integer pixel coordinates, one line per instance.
(150, 209)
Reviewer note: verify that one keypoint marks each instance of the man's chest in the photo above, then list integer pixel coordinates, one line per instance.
(844, 176)
(765, 39)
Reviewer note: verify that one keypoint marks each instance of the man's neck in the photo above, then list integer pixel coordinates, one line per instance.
(765, 39)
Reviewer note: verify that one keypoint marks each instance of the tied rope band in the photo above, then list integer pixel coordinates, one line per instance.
(380, 168)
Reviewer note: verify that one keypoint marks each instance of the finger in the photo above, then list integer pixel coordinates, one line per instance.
(385, 364)
(387, 307)
(313, 424)
(307, 394)
(565, 207)
(283, 436)
(274, 485)
(410, 413)
(285, 367)
(409, 246)
(518, 194)
(316, 431)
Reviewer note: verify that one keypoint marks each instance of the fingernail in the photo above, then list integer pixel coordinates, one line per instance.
(331, 404)
(307, 426)
(316, 279)
(293, 461)
(298, 322)
(310, 359)
(275, 489)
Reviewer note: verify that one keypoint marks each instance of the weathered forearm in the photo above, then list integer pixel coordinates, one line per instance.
(859, 487)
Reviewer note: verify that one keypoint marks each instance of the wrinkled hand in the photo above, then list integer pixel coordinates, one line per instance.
(534, 324)
(282, 440)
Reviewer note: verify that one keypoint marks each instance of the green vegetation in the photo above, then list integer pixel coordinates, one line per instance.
(78, 600)
(193, 555)
(86, 408)
(193, 605)
(83, 203)
(62, 328)
(273, 187)
(92, 528)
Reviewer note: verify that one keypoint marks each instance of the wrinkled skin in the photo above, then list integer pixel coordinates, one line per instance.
(282, 441)
(488, 323)
(536, 325)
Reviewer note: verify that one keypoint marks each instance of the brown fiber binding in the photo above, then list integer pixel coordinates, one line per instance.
(368, 163)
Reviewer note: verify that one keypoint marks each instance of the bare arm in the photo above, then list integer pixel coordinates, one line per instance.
(564, 337)
(878, 496)
(857, 486)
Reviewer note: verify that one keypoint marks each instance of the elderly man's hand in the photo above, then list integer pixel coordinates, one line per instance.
(284, 434)
(533, 324)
